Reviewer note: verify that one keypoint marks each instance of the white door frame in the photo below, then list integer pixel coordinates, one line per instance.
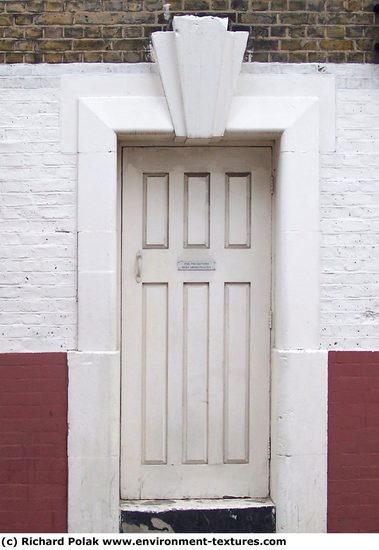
(299, 367)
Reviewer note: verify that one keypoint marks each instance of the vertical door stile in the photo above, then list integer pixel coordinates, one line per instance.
(216, 372)
(175, 316)
(260, 308)
(132, 338)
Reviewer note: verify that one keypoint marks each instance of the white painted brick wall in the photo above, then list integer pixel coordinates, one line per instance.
(350, 216)
(38, 209)
(37, 219)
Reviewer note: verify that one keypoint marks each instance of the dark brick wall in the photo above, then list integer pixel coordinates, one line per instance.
(33, 442)
(353, 442)
(53, 31)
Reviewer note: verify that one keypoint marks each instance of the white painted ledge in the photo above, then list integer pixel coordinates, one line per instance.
(292, 86)
(270, 117)
(191, 504)
(76, 87)
(147, 91)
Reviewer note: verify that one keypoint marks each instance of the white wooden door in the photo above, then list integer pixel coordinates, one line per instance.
(195, 322)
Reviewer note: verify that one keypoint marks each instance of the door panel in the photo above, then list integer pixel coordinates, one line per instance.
(195, 333)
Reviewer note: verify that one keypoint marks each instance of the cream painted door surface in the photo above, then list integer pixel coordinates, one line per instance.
(196, 260)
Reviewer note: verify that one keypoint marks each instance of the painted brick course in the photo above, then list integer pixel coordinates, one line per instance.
(353, 442)
(36, 31)
(350, 218)
(38, 209)
(33, 448)
(37, 223)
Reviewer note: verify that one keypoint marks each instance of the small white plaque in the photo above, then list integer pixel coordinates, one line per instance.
(196, 265)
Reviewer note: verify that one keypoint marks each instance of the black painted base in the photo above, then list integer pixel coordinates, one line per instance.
(198, 519)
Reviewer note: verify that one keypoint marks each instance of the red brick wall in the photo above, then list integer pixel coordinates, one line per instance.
(33, 442)
(353, 442)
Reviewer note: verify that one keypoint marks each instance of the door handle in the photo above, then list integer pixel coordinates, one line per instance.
(138, 266)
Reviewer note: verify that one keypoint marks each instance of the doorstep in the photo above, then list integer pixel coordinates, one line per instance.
(235, 515)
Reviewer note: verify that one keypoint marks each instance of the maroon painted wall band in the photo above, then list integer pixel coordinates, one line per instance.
(33, 442)
(353, 442)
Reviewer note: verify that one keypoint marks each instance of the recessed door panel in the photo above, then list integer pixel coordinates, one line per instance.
(154, 373)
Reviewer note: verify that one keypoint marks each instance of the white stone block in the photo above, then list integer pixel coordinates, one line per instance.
(299, 414)
(131, 116)
(94, 405)
(303, 135)
(93, 442)
(260, 116)
(98, 250)
(321, 86)
(297, 192)
(93, 495)
(298, 440)
(94, 136)
(296, 298)
(275, 117)
(300, 495)
(98, 311)
(138, 81)
(97, 192)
